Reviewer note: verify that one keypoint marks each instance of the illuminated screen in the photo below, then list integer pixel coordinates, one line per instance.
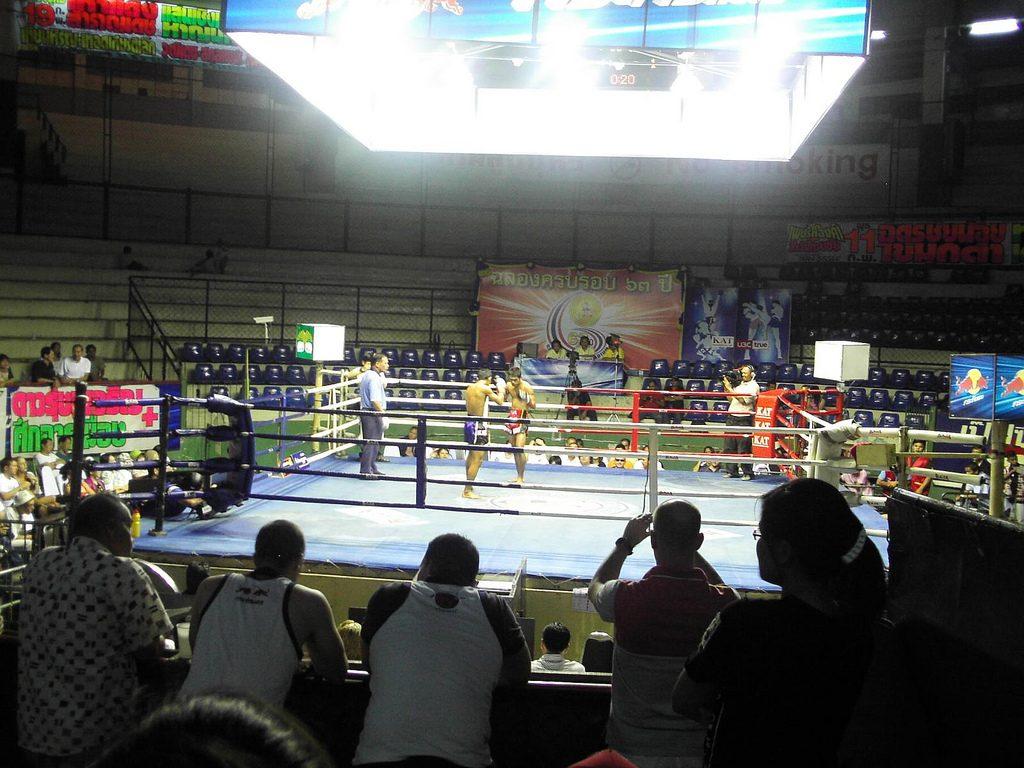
(804, 26)
(1010, 387)
(972, 386)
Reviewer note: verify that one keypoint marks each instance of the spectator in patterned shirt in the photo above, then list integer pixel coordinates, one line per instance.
(77, 678)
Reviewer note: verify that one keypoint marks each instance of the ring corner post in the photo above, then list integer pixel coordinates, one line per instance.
(161, 482)
(421, 461)
(652, 467)
(77, 450)
(997, 446)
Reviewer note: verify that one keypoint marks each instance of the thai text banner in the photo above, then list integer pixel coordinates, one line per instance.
(807, 26)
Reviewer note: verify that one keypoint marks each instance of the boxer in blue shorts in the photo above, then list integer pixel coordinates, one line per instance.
(490, 388)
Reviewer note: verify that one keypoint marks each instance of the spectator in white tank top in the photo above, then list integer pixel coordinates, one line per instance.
(248, 631)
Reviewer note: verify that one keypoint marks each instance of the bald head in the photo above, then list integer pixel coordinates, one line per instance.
(280, 545)
(106, 519)
(676, 531)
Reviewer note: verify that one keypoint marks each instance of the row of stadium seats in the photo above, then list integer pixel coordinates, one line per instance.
(293, 397)
(897, 378)
(197, 352)
(230, 373)
(867, 419)
(879, 399)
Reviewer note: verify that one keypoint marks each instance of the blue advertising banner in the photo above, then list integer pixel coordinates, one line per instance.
(971, 386)
(555, 373)
(709, 324)
(1010, 394)
(797, 26)
(762, 333)
(737, 326)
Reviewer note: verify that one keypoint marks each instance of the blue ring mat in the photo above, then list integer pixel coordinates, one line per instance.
(558, 548)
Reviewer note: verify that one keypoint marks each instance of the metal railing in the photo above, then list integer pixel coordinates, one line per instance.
(146, 340)
(175, 309)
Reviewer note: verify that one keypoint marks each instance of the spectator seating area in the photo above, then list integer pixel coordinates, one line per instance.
(273, 372)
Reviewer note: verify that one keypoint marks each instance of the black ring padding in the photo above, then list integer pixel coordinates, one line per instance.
(221, 433)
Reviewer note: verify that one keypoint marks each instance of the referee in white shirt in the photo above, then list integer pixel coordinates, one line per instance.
(741, 413)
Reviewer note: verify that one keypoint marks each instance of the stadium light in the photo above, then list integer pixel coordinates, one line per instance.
(878, 34)
(993, 27)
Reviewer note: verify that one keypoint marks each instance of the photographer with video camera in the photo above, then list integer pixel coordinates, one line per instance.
(741, 413)
(613, 352)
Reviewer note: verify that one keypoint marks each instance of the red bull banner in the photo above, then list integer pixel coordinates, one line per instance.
(536, 305)
(928, 243)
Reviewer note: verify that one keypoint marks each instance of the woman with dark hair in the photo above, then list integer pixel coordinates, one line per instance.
(782, 676)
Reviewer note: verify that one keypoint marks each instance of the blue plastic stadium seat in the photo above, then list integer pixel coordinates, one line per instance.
(428, 374)
(659, 368)
(927, 400)
(722, 368)
(765, 372)
(718, 412)
(430, 359)
(254, 392)
(271, 392)
(704, 370)
(404, 394)
(474, 359)
(856, 397)
(925, 380)
(716, 386)
(202, 374)
(451, 374)
(864, 418)
(915, 420)
(682, 369)
(699, 405)
(192, 352)
(453, 394)
(259, 355)
(787, 372)
(220, 391)
(295, 397)
(472, 376)
(391, 353)
(787, 386)
(496, 360)
(214, 353)
(406, 373)
(695, 385)
(807, 373)
(295, 375)
(282, 354)
(831, 398)
(899, 378)
(651, 383)
(942, 385)
(410, 358)
(367, 351)
(235, 353)
(255, 374)
(273, 374)
(350, 357)
(431, 394)
(889, 420)
(452, 359)
(228, 373)
(877, 377)
(879, 399)
(903, 400)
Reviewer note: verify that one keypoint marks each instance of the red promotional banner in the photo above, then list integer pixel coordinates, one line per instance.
(536, 305)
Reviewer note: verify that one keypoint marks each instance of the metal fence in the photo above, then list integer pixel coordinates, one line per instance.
(211, 309)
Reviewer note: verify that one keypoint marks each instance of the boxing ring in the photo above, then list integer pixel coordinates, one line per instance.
(564, 519)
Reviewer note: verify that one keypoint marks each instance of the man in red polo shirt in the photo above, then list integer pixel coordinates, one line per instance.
(919, 483)
(659, 621)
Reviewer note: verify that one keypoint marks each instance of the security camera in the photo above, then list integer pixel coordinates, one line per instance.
(263, 319)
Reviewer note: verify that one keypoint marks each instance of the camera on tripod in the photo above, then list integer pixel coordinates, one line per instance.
(734, 377)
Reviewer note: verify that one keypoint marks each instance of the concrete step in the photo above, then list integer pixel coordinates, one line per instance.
(45, 305)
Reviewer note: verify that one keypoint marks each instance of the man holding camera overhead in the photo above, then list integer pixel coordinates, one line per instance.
(741, 413)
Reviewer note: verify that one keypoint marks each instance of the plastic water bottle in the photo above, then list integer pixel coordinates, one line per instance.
(136, 524)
